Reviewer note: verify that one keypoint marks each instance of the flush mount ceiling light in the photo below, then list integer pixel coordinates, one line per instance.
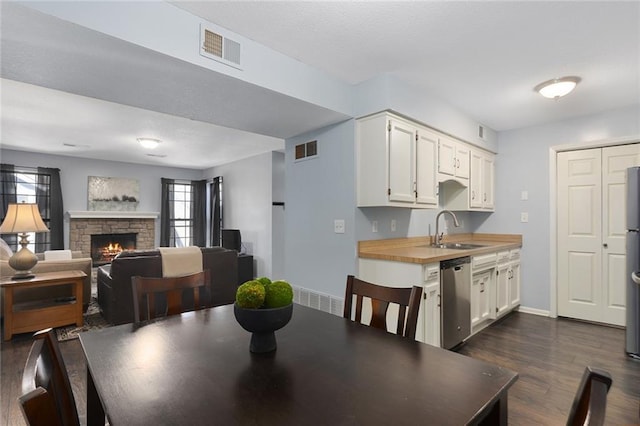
(557, 87)
(149, 143)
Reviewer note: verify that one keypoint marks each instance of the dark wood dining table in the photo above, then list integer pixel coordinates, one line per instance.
(196, 369)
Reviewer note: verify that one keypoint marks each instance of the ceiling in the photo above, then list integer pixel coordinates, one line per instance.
(69, 90)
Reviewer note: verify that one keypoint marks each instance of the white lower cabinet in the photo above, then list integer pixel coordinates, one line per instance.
(480, 298)
(401, 274)
(507, 281)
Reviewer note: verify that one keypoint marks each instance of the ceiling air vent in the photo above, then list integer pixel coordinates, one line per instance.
(216, 46)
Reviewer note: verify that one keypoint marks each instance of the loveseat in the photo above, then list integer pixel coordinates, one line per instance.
(115, 294)
(77, 262)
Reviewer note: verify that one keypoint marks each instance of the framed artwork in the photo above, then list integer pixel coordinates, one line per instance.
(113, 193)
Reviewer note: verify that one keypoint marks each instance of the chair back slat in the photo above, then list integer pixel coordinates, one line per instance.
(145, 290)
(381, 297)
(590, 403)
(47, 398)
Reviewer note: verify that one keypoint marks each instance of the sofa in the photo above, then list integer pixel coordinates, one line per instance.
(77, 262)
(115, 293)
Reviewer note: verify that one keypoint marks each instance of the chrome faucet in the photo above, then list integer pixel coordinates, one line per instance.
(438, 240)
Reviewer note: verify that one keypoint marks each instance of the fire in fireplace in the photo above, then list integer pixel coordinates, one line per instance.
(104, 247)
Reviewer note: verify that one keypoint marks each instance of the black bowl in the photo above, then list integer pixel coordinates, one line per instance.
(262, 323)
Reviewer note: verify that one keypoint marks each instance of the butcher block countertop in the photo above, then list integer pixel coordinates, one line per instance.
(419, 250)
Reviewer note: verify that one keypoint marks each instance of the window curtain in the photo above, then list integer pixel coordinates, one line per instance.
(9, 187)
(199, 212)
(216, 211)
(53, 201)
(166, 211)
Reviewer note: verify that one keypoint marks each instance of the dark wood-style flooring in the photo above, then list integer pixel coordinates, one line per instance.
(549, 354)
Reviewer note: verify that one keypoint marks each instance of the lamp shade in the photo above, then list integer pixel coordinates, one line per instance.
(23, 217)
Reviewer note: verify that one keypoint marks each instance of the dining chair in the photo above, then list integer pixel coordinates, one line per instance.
(408, 300)
(47, 398)
(590, 402)
(145, 290)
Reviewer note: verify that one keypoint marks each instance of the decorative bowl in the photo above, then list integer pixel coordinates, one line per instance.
(262, 323)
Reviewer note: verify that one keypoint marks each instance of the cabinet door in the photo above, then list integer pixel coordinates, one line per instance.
(462, 161)
(401, 163)
(484, 306)
(426, 152)
(502, 289)
(514, 285)
(475, 299)
(476, 181)
(488, 183)
(432, 313)
(447, 156)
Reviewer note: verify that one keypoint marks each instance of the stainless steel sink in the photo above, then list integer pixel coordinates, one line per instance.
(457, 246)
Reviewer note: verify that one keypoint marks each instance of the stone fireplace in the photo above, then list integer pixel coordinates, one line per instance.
(83, 225)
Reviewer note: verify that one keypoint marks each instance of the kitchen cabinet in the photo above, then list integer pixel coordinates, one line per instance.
(480, 299)
(401, 274)
(396, 162)
(453, 159)
(481, 182)
(514, 279)
(507, 281)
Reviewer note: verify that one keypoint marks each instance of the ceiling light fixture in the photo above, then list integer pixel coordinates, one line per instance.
(149, 143)
(557, 87)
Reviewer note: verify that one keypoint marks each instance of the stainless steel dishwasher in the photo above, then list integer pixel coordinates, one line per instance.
(455, 296)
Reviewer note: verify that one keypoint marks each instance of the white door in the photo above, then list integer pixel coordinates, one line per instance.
(591, 232)
(615, 162)
(426, 183)
(401, 162)
(579, 234)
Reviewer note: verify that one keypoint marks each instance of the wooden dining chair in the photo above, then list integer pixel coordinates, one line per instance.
(408, 300)
(47, 398)
(145, 290)
(590, 402)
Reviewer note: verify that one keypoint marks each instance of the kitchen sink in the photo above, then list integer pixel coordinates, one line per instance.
(457, 246)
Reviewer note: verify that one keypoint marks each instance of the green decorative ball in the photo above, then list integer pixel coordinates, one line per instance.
(266, 282)
(250, 295)
(279, 294)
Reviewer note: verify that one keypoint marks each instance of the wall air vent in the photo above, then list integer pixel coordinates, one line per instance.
(306, 150)
(217, 46)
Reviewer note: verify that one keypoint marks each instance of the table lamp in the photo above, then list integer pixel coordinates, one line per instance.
(22, 218)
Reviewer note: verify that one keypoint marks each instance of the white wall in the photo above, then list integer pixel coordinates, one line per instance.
(246, 200)
(318, 191)
(74, 173)
(523, 164)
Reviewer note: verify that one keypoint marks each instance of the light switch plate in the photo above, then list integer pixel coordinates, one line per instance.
(524, 217)
(374, 226)
(524, 196)
(338, 226)
(393, 225)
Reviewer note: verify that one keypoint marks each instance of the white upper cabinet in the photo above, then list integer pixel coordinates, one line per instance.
(479, 194)
(396, 163)
(453, 159)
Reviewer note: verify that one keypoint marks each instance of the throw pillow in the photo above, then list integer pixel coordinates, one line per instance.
(5, 250)
(57, 254)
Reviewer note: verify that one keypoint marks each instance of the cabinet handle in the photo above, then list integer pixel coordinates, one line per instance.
(482, 287)
(438, 301)
(454, 163)
(605, 245)
(458, 165)
(473, 195)
(485, 196)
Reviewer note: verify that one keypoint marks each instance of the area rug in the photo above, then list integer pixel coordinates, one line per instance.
(93, 320)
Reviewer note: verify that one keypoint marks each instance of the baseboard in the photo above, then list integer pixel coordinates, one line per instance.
(534, 311)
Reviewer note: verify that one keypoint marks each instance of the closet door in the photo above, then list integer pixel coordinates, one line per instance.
(579, 234)
(591, 232)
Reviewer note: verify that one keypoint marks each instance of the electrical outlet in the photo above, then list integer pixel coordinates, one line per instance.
(524, 217)
(524, 196)
(393, 225)
(374, 226)
(338, 226)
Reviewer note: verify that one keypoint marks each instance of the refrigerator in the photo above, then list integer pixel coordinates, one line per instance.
(633, 263)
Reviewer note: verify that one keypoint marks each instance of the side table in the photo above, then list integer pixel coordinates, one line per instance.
(34, 316)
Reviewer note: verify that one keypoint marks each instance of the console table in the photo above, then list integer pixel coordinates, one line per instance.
(34, 316)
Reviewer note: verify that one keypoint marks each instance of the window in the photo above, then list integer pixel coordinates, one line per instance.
(180, 219)
(23, 185)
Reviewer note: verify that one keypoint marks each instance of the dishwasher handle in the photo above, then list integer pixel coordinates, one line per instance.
(635, 277)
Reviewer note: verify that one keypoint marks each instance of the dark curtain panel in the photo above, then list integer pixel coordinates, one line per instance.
(166, 211)
(216, 211)
(9, 187)
(53, 201)
(199, 212)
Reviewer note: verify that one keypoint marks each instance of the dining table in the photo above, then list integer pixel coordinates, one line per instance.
(196, 369)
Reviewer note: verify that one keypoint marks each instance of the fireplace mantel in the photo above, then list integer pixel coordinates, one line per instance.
(77, 214)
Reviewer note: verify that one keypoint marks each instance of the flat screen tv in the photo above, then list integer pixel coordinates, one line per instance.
(231, 239)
